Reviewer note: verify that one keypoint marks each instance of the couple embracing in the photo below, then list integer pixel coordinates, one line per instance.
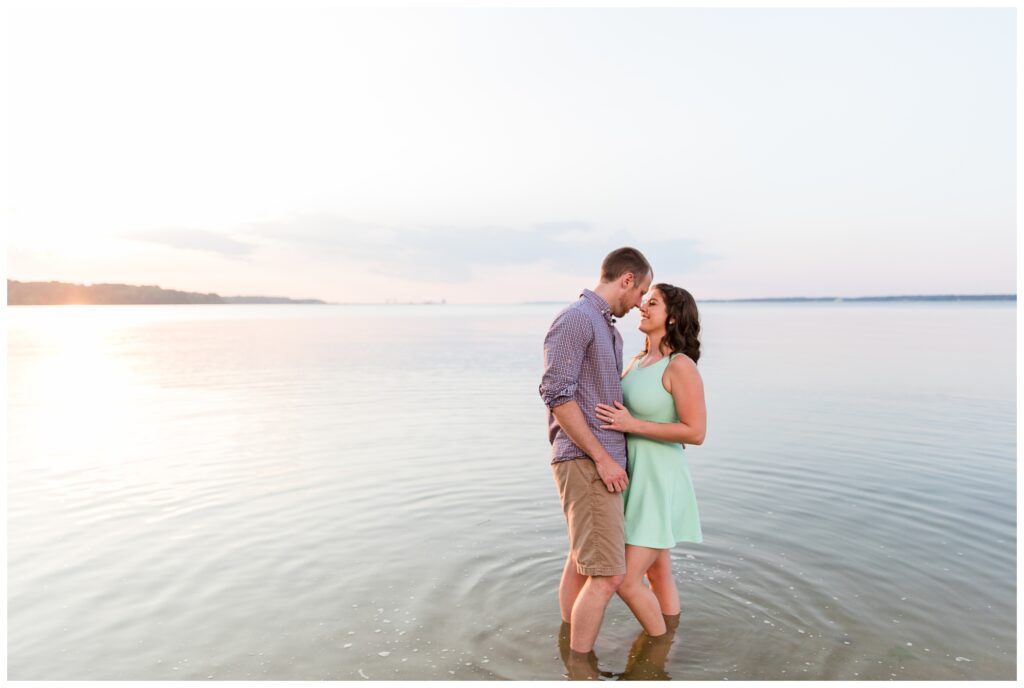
(617, 440)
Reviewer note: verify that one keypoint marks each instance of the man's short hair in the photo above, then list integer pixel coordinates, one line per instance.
(623, 260)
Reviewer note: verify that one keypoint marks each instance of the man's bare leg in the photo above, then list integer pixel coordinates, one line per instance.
(588, 611)
(569, 589)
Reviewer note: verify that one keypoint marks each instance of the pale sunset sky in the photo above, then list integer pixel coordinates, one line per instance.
(495, 155)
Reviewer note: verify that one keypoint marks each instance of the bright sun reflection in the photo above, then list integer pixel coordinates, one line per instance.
(69, 367)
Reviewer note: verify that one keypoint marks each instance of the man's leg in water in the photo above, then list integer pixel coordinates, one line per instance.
(569, 589)
(588, 612)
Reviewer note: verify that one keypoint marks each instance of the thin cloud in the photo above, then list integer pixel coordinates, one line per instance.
(457, 254)
(193, 239)
(563, 227)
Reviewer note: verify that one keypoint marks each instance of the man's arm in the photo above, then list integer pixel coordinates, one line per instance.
(564, 348)
(572, 421)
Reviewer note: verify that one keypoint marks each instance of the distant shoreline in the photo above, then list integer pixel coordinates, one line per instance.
(847, 299)
(67, 294)
(818, 299)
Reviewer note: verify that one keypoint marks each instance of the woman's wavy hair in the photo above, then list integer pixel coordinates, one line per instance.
(683, 335)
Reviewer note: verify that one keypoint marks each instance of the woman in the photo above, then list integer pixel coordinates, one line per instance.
(664, 409)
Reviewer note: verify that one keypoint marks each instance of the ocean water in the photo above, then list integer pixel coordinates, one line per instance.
(351, 492)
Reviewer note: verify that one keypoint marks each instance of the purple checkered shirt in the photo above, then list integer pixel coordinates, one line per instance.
(583, 362)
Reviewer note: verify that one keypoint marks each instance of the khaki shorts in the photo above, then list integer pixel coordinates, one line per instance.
(597, 537)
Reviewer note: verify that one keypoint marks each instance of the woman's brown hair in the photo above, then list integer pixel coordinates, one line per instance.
(682, 326)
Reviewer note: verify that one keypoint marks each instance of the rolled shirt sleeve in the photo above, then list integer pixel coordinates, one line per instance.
(564, 349)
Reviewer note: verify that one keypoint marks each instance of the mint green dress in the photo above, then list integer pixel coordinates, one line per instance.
(661, 507)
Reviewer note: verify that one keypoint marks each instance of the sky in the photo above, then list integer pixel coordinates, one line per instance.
(496, 155)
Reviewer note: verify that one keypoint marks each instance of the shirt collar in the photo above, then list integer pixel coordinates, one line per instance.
(599, 303)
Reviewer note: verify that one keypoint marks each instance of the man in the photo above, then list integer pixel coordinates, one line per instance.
(582, 368)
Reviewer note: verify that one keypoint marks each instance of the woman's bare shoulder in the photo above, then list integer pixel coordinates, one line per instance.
(683, 364)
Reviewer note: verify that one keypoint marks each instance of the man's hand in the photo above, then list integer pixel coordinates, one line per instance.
(614, 478)
(570, 417)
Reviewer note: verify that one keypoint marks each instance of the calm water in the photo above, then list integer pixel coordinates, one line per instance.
(329, 492)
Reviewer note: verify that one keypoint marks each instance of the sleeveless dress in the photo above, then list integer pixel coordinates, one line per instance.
(660, 504)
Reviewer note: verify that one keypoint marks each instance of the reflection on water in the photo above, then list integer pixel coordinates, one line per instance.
(321, 492)
(579, 666)
(646, 661)
(649, 654)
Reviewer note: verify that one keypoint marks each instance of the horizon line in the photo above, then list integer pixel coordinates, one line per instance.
(790, 299)
(444, 301)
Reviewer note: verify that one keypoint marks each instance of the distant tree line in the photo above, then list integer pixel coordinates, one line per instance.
(64, 293)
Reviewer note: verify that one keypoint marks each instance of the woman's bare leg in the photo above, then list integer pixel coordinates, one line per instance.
(663, 585)
(634, 593)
